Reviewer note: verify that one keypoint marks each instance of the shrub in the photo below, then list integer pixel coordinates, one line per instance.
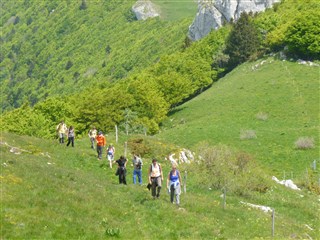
(302, 37)
(221, 167)
(262, 116)
(247, 134)
(304, 143)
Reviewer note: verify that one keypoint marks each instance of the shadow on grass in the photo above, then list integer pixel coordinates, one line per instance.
(175, 110)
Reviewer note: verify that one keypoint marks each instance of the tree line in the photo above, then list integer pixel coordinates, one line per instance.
(141, 100)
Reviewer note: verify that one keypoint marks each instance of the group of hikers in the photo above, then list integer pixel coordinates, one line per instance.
(63, 131)
(155, 177)
(155, 173)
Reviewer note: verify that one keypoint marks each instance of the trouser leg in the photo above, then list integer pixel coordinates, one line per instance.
(134, 176)
(140, 177)
(171, 193)
(153, 188)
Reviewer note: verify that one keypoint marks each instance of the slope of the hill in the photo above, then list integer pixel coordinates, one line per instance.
(61, 47)
(261, 108)
(50, 191)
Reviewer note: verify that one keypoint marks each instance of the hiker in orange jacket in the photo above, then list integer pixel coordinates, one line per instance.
(101, 143)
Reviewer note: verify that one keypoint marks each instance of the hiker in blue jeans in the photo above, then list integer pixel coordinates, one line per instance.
(137, 169)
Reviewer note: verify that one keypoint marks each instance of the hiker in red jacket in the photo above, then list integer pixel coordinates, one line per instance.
(101, 143)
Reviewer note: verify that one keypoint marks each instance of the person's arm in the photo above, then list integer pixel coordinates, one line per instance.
(149, 174)
(168, 180)
(161, 173)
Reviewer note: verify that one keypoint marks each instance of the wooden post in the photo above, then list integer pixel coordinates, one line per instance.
(116, 127)
(125, 149)
(273, 219)
(314, 165)
(185, 182)
(224, 198)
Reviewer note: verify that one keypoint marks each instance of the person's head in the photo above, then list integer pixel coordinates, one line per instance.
(100, 133)
(174, 166)
(154, 161)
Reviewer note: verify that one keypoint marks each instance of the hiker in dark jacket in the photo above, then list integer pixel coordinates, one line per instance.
(71, 136)
(122, 171)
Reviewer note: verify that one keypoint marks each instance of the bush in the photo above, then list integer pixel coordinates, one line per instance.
(262, 116)
(302, 36)
(221, 167)
(304, 143)
(247, 134)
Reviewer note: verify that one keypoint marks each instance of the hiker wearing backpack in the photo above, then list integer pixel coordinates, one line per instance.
(101, 143)
(174, 184)
(61, 131)
(122, 171)
(110, 154)
(155, 178)
(137, 169)
(92, 135)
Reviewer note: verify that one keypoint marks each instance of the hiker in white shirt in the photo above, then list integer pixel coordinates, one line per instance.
(155, 178)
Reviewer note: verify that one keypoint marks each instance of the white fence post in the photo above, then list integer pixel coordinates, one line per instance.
(224, 200)
(116, 127)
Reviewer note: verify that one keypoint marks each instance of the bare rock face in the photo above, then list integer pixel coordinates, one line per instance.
(145, 9)
(213, 13)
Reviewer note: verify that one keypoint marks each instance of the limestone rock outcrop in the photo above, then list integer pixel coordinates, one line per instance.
(145, 9)
(213, 13)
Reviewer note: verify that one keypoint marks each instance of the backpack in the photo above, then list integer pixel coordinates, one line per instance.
(160, 169)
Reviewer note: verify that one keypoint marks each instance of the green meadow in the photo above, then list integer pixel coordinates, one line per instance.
(277, 101)
(176, 9)
(50, 191)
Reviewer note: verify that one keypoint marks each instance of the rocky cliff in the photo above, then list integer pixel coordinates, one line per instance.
(145, 9)
(213, 13)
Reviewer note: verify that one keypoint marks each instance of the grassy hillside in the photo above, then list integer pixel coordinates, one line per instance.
(277, 102)
(54, 192)
(51, 191)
